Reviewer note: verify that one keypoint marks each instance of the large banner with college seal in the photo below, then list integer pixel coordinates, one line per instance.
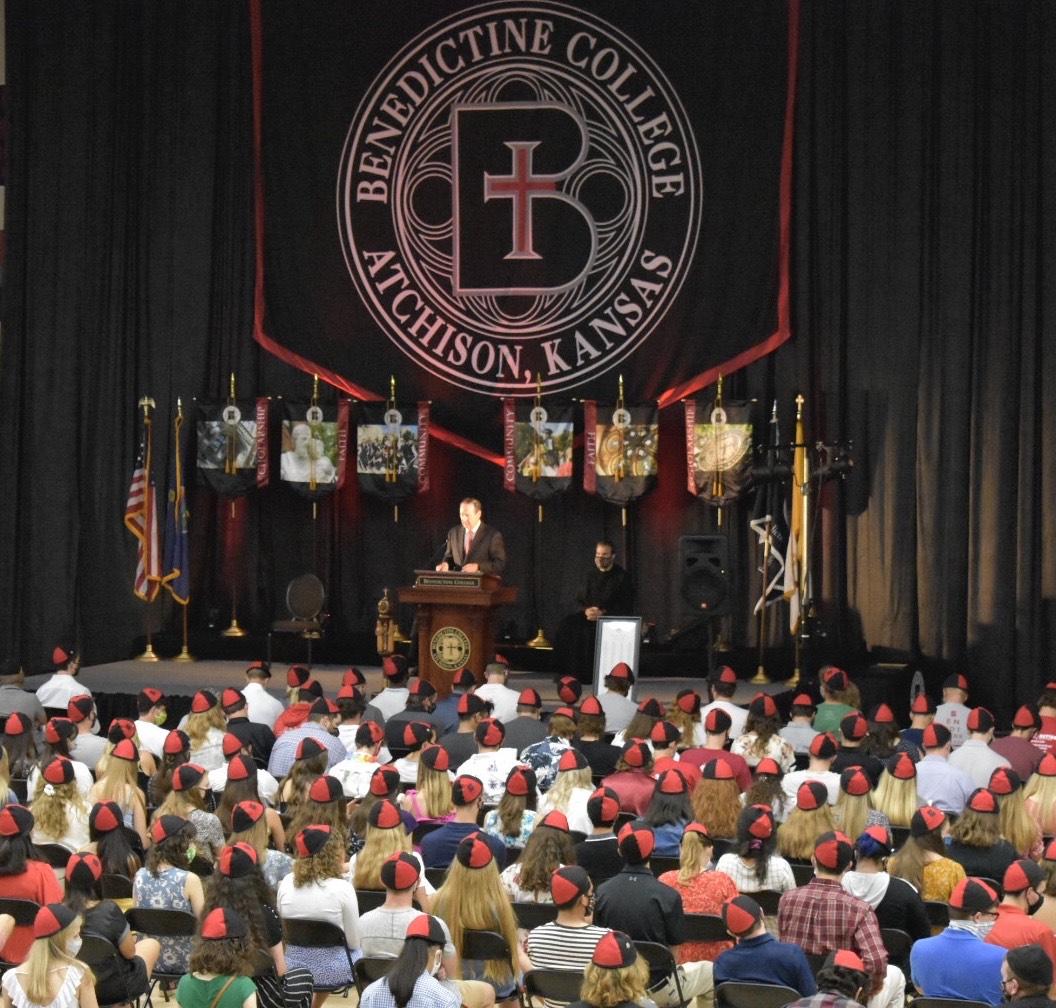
(471, 196)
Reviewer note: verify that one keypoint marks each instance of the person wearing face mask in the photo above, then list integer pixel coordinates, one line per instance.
(958, 962)
(412, 982)
(568, 941)
(51, 977)
(1023, 883)
(1026, 977)
(151, 705)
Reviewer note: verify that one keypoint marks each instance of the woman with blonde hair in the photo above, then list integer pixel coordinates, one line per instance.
(684, 714)
(310, 761)
(811, 817)
(472, 899)
(1039, 795)
(703, 891)
(616, 977)
(548, 848)
(896, 791)
(922, 860)
(51, 977)
(187, 799)
(205, 729)
(119, 783)
(120, 729)
(249, 825)
(853, 810)
(570, 792)
(976, 841)
(761, 737)
(317, 891)
(766, 788)
(58, 807)
(430, 799)
(1018, 826)
(386, 835)
(514, 818)
(716, 799)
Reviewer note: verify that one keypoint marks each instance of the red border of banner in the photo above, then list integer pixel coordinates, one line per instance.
(687, 388)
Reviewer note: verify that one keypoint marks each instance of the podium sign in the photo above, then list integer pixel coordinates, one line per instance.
(457, 613)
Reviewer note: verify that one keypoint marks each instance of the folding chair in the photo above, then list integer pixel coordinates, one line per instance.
(531, 915)
(898, 943)
(802, 872)
(369, 899)
(436, 876)
(319, 934)
(55, 854)
(562, 986)
(161, 924)
(767, 900)
(115, 887)
(422, 830)
(369, 969)
(482, 945)
(659, 865)
(734, 994)
(96, 952)
(662, 965)
(202, 867)
(704, 928)
(938, 913)
(940, 1002)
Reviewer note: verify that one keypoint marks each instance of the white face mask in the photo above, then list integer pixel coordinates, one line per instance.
(438, 965)
(73, 946)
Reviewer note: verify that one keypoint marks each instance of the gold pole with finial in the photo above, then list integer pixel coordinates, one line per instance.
(391, 449)
(760, 672)
(185, 651)
(799, 527)
(147, 405)
(233, 630)
(539, 641)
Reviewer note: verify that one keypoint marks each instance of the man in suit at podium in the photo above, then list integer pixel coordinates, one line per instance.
(473, 546)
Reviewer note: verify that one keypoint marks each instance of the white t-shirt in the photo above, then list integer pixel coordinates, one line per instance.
(502, 698)
(261, 706)
(267, 786)
(152, 737)
(491, 769)
(332, 900)
(59, 690)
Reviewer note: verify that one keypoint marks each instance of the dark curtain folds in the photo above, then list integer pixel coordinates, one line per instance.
(923, 283)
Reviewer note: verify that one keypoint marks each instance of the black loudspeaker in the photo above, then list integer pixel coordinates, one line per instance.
(705, 575)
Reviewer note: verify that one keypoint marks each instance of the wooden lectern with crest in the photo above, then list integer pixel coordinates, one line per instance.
(457, 613)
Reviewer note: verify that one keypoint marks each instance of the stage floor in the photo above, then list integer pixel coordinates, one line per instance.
(185, 678)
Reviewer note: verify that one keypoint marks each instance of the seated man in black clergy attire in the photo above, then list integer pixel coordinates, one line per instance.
(607, 593)
(473, 546)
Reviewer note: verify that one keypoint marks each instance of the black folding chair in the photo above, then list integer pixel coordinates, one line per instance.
(659, 865)
(489, 945)
(154, 923)
(55, 854)
(802, 872)
(767, 899)
(561, 986)
(436, 876)
(662, 966)
(938, 913)
(319, 934)
(202, 867)
(898, 943)
(422, 830)
(531, 915)
(704, 928)
(734, 994)
(97, 952)
(369, 899)
(115, 887)
(369, 969)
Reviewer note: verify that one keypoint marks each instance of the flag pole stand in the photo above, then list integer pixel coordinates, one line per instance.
(148, 652)
(539, 641)
(234, 630)
(185, 653)
(760, 676)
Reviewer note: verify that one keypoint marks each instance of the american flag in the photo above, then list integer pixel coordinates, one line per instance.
(141, 519)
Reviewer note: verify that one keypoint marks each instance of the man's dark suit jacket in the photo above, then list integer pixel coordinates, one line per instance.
(489, 551)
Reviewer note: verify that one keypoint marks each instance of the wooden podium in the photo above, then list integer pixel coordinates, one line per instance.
(456, 622)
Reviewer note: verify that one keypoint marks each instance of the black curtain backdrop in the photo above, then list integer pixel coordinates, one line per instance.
(923, 307)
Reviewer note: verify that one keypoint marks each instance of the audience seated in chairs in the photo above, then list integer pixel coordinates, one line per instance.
(238, 884)
(513, 820)
(316, 891)
(438, 848)
(118, 781)
(187, 800)
(753, 865)
(703, 891)
(175, 752)
(430, 799)
(59, 808)
(220, 966)
(842, 983)
(616, 975)
(325, 803)
(118, 847)
(51, 977)
(549, 847)
(386, 835)
(472, 899)
(568, 941)
(716, 799)
(922, 860)
(383, 930)
(126, 976)
(412, 981)
(249, 824)
(571, 788)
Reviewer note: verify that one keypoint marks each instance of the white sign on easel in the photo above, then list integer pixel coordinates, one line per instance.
(619, 640)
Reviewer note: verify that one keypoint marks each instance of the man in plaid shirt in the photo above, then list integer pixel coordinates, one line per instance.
(821, 917)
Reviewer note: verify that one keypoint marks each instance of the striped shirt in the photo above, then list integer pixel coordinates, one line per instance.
(557, 946)
(779, 877)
